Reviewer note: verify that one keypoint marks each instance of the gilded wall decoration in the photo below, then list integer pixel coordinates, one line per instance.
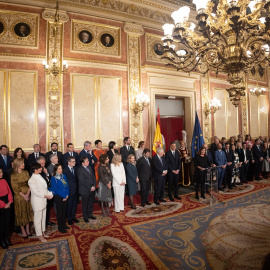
(154, 48)
(134, 66)
(18, 28)
(95, 38)
(245, 114)
(206, 124)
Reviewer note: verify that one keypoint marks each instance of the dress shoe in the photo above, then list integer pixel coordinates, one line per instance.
(92, 217)
(4, 245)
(162, 200)
(29, 234)
(171, 199)
(70, 222)
(66, 227)
(197, 197)
(62, 231)
(177, 197)
(133, 206)
(75, 220)
(202, 196)
(207, 191)
(50, 223)
(86, 220)
(8, 242)
(157, 203)
(25, 236)
(142, 205)
(230, 188)
(221, 189)
(147, 203)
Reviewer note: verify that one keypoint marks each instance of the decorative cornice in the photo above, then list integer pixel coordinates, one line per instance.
(49, 15)
(133, 29)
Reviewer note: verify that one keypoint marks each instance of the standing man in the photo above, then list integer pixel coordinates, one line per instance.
(220, 160)
(214, 147)
(71, 173)
(33, 157)
(88, 152)
(53, 162)
(230, 163)
(174, 163)
(42, 161)
(5, 159)
(258, 157)
(54, 150)
(244, 157)
(160, 170)
(87, 186)
(251, 166)
(144, 169)
(209, 155)
(70, 153)
(126, 150)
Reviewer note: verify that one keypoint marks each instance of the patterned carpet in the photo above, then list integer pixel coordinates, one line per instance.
(187, 234)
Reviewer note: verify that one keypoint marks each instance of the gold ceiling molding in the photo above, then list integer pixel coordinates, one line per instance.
(94, 61)
(22, 55)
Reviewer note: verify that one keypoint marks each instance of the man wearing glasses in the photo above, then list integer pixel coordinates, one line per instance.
(71, 173)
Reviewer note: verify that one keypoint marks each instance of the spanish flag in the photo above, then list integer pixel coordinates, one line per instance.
(158, 137)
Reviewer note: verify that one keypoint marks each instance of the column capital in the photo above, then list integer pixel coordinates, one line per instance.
(133, 29)
(49, 15)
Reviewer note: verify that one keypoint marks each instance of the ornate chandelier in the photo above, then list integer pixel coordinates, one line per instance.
(232, 37)
(257, 91)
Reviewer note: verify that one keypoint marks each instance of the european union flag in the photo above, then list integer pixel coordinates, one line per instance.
(197, 139)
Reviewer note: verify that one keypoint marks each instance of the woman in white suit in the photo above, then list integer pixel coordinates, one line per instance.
(118, 182)
(39, 196)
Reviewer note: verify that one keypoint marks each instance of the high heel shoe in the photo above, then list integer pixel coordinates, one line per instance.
(202, 196)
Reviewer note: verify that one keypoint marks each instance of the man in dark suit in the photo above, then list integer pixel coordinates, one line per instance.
(244, 157)
(229, 168)
(70, 153)
(209, 155)
(144, 169)
(45, 174)
(54, 150)
(214, 147)
(32, 158)
(126, 150)
(53, 162)
(88, 152)
(174, 163)
(220, 160)
(87, 186)
(258, 157)
(5, 160)
(71, 173)
(160, 170)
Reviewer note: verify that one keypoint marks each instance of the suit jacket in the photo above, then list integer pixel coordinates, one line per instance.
(174, 163)
(213, 149)
(110, 154)
(32, 158)
(159, 167)
(59, 155)
(210, 157)
(72, 179)
(38, 187)
(86, 180)
(143, 168)
(3, 164)
(257, 153)
(50, 169)
(65, 157)
(125, 153)
(220, 158)
(90, 158)
(230, 156)
(242, 156)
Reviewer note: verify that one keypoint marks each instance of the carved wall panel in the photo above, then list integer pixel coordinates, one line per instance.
(254, 116)
(95, 38)
(263, 115)
(22, 109)
(3, 84)
(153, 48)
(19, 29)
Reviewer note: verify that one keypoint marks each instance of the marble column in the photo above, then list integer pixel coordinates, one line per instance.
(134, 32)
(54, 85)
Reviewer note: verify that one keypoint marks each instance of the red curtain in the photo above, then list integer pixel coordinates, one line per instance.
(171, 129)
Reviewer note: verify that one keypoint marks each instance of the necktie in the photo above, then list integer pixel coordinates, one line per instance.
(36, 156)
(87, 169)
(161, 160)
(5, 159)
(148, 161)
(72, 170)
(71, 154)
(128, 148)
(227, 152)
(173, 154)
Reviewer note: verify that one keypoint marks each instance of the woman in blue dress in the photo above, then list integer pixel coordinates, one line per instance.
(132, 179)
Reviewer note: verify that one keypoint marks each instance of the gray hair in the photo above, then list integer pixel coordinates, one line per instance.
(159, 150)
(40, 158)
(86, 143)
(52, 156)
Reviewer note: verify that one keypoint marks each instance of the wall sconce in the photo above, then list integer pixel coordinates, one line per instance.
(257, 91)
(212, 107)
(141, 102)
(55, 69)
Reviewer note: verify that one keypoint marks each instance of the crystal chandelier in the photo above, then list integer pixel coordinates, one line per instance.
(141, 102)
(232, 37)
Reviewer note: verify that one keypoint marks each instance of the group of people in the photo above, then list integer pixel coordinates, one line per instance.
(235, 159)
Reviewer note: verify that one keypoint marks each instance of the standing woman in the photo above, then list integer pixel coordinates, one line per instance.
(119, 182)
(248, 139)
(105, 184)
(22, 205)
(184, 176)
(139, 152)
(98, 152)
(60, 190)
(266, 159)
(112, 150)
(132, 179)
(39, 196)
(201, 162)
(6, 199)
(19, 153)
